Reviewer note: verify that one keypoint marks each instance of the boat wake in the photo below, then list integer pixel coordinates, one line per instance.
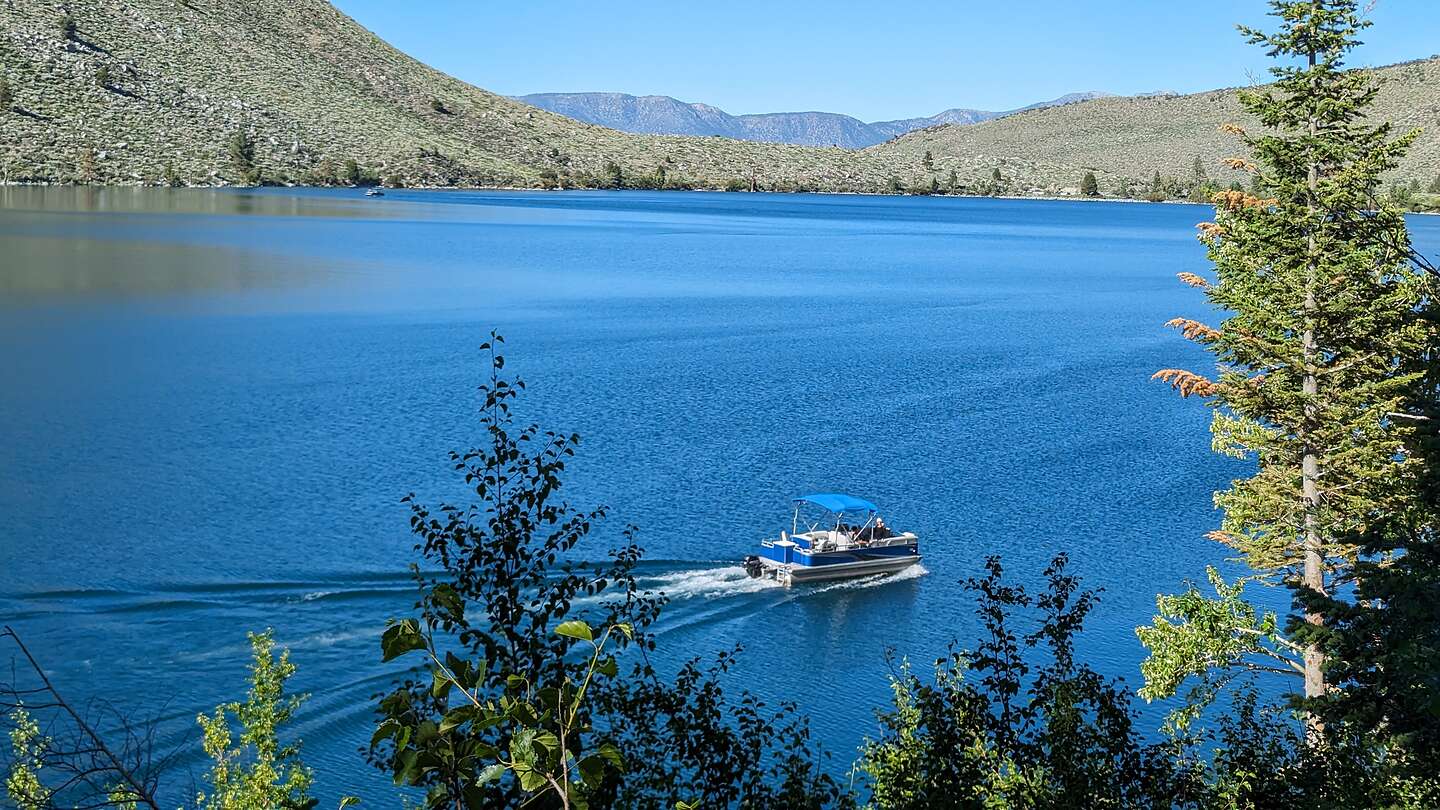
(703, 583)
(731, 580)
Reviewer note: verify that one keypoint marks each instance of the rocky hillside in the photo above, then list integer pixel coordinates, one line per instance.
(238, 91)
(666, 115)
(132, 90)
(1134, 137)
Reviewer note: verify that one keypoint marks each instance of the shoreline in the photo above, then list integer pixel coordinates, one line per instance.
(528, 189)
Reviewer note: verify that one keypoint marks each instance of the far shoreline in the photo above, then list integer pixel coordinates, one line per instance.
(528, 189)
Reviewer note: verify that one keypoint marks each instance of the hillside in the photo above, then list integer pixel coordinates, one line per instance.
(215, 92)
(1134, 137)
(311, 89)
(666, 115)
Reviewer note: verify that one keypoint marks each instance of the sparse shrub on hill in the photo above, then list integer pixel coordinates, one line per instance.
(102, 77)
(67, 27)
(1089, 186)
(7, 97)
(240, 148)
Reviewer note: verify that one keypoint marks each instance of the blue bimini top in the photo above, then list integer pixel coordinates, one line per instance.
(839, 504)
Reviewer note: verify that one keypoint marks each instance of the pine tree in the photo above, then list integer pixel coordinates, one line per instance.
(1089, 186)
(7, 98)
(1318, 352)
(241, 149)
(67, 27)
(928, 161)
(1199, 169)
(102, 77)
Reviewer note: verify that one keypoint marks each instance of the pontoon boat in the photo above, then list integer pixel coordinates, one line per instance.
(849, 540)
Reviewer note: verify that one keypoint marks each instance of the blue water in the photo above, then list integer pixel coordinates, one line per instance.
(212, 403)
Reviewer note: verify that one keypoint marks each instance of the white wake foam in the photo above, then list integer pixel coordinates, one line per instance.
(709, 583)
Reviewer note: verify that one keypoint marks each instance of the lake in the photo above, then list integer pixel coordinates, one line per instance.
(213, 402)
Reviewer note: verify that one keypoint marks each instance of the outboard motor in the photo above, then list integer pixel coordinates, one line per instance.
(753, 566)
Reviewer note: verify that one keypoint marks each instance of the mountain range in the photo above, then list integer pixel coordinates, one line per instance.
(663, 115)
(222, 92)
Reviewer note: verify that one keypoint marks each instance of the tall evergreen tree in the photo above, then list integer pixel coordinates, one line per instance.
(7, 98)
(1319, 352)
(1089, 186)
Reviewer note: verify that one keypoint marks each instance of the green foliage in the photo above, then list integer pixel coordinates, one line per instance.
(67, 27)
(895, 185)
(1089, 186)
(349, 173)
(102, 77)
(928, 161)
(7, 96)
(171, 178)
(241, 150)
(1261, 759)
(1323, 340)
(1210, 638)
(688, 740)
(27, 761)
(438, 106)
(1158, 191)
(613, 175)
(1433, 189)
(995, 175)
(541, 724)
(502, 608)
(502, 599)
(260, 773)
(987, 733)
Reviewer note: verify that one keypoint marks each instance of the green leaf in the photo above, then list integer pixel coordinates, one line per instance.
(490, 774)
(386, 729)
(456, 718)
(349, 801)
(442, 683)
(402, 637)
(575, 629)
(608, 667)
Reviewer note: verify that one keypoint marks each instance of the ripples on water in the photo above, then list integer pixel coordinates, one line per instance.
(212, 403)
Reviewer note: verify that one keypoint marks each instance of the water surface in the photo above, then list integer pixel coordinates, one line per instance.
(212, 403)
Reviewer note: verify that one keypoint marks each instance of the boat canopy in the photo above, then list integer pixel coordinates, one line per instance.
(839, 504)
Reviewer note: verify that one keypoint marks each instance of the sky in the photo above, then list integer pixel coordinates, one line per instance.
(872, 60)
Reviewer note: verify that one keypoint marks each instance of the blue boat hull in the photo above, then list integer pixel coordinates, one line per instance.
(790, 564)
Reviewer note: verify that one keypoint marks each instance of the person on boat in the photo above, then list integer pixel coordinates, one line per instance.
(880, 531)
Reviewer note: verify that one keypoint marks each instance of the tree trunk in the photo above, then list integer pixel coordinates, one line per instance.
(1310, 462)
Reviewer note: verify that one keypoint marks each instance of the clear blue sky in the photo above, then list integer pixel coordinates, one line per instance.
(873, 60)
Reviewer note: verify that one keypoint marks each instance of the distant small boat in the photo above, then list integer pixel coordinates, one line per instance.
(374, 192)
(851, 540)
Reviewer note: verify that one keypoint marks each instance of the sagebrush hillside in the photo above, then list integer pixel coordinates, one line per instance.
(1135, 137)
(139, 88)
(216, 92)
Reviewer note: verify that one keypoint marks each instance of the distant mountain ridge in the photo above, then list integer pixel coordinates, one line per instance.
(664, 115)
